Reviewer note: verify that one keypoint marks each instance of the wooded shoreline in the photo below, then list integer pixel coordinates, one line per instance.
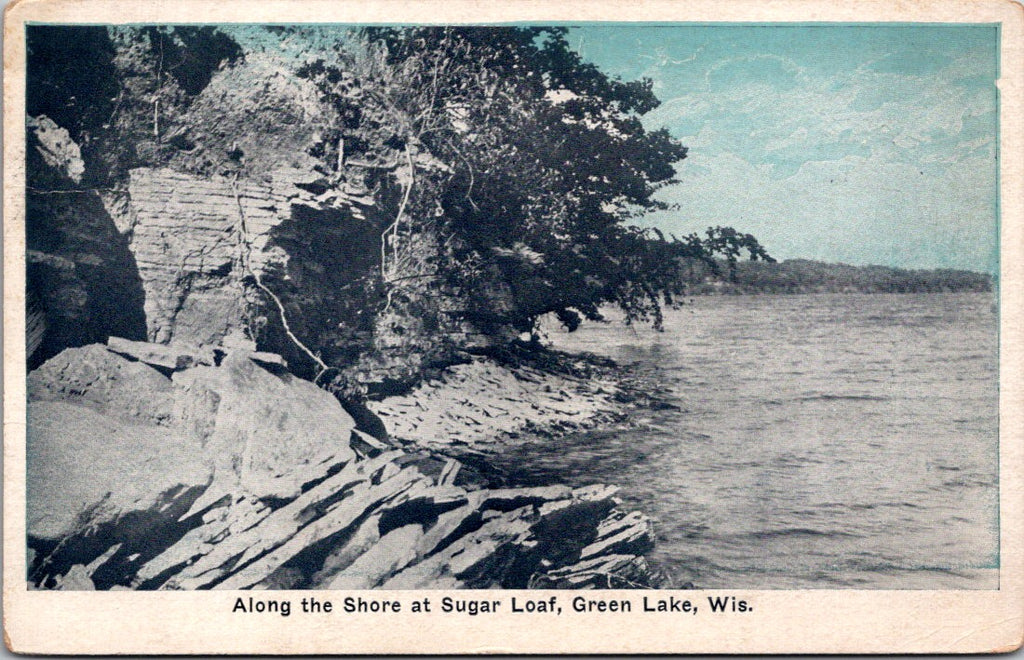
(797, 276)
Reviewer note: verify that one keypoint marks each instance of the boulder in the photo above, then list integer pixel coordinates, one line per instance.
(269, 432)
(85, 468)
(108, 383)
(366, 445)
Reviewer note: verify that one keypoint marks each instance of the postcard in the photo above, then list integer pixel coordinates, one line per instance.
(526, 327)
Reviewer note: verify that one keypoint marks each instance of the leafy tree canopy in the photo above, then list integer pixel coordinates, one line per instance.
(545, 162)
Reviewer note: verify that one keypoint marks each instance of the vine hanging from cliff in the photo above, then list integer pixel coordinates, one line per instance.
(391, 235)
(245, 249)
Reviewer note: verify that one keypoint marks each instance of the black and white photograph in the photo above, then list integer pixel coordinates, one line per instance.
(652, 308)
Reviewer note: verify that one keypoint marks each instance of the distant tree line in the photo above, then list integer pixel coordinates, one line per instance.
(807, 276)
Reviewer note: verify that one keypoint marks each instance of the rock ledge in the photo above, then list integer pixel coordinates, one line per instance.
(274, 488)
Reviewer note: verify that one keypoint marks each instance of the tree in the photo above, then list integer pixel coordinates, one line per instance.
(117, 89)
(548, 160)
(526, 164)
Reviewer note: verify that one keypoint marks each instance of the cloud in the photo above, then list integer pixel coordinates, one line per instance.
(853, 210)
(779, 73)
(897, 117)
(861, 144)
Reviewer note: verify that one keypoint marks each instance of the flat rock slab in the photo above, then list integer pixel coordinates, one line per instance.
(481, 404)
(170, 357)
(273, 359)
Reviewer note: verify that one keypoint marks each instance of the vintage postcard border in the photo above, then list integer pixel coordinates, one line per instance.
(804, 621)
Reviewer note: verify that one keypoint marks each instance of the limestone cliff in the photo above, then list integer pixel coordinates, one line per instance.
(233, 232)
(213, 247)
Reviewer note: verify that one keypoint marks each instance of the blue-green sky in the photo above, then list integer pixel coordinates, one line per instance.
(872, 144)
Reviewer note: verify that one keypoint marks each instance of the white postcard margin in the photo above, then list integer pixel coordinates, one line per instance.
(799, 621)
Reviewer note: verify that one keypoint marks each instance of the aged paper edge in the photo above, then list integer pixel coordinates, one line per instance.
(799, 621)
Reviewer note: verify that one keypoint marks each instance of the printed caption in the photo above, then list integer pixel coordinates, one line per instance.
(448, 605)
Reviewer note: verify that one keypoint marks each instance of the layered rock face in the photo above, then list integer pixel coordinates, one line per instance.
(255, 223)
(156, 468)
(202, 243)
(176, 257)
(199, 260)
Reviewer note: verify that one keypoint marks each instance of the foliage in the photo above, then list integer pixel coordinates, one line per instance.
(116, 89)
(527, 162)
(162, 69)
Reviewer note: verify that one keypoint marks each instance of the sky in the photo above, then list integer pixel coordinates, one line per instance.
(853, 144)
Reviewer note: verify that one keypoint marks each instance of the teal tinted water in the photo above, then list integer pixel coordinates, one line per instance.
(821, 441)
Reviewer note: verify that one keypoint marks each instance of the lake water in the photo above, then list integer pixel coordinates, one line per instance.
(820, 441)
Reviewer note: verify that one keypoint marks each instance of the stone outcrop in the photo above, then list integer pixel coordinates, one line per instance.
(372, 523)
(201, 243)
(239, 475)
(253, 431)
(171, 255)
(82, 275)
(235, 235)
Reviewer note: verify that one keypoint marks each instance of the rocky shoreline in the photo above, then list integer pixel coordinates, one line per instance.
(475, 408)
(154, 466)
